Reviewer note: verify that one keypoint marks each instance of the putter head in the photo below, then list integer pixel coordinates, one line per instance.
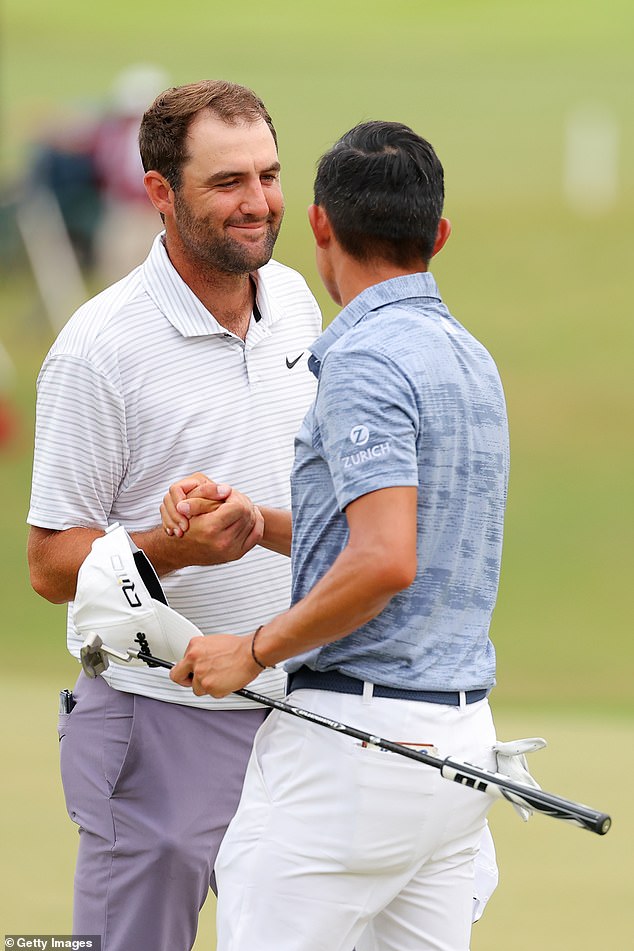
(93, 659)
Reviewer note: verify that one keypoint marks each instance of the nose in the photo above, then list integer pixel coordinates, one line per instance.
(254, 202)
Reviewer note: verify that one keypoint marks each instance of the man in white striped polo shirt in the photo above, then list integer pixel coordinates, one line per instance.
(195, 360)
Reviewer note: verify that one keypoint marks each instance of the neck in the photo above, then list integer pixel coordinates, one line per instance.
(229, 297)
(353, 276)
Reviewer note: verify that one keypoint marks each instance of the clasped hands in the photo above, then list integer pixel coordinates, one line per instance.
(218, 524)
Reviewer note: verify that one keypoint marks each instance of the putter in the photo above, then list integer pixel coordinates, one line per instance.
(95, 656)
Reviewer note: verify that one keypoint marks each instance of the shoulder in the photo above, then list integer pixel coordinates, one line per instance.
(405, 333)
(391, 343)
(102, 322)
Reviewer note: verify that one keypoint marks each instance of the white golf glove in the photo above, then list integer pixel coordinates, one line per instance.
(511, 761)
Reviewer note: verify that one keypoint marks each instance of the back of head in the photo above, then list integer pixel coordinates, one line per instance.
(164, 127)
(382, 187)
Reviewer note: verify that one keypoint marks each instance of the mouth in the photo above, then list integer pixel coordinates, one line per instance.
(253, 232)
(249, 225)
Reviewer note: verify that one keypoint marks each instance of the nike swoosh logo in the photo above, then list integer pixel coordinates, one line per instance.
(291, 363)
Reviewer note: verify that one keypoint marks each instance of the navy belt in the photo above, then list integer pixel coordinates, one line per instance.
(334, 680)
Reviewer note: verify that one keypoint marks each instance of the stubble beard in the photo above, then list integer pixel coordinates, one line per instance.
(211, 248)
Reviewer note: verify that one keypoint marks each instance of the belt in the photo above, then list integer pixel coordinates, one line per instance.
(334, 680)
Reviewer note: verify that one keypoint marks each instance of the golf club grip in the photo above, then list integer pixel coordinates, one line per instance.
(475, 777)
(549, 804)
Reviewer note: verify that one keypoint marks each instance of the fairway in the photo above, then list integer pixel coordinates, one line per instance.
(546, 287)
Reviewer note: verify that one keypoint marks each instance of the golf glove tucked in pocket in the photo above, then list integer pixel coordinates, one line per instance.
(511, 761)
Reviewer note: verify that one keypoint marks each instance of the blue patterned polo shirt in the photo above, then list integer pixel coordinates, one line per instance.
(407, 397)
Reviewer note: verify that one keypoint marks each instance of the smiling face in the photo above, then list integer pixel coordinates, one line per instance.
(227, 211)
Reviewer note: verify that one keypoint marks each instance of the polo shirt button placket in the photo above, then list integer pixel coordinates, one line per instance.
(253, 375)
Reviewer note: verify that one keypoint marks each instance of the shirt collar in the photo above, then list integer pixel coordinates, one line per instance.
(176, 300)
(394, 290)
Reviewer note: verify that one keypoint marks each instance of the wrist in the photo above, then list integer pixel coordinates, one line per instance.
(163, 550)
(254, 651)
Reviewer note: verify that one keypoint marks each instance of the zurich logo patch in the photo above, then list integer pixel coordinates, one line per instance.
(359, 435)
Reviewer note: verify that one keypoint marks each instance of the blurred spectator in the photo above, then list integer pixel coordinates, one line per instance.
(8, 414)
(88, 165)
(63, 164)
(129, 221)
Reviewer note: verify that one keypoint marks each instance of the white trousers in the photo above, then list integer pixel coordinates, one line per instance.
(337, 846)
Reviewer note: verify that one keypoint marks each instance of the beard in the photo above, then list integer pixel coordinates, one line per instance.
(210, 247)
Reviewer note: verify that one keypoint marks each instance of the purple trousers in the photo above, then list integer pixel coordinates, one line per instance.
(152, 787)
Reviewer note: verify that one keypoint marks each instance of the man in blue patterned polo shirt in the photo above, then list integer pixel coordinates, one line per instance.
(399, 489)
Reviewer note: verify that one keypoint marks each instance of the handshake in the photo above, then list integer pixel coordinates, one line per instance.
(198, 495)
(211, 523)
(215, 522)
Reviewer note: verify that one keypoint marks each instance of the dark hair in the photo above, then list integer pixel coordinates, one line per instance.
(164, 127)
(382, 188)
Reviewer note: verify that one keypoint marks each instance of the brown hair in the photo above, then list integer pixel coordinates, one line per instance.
(164, 127)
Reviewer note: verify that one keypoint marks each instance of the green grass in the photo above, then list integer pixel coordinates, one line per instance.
(490, 83)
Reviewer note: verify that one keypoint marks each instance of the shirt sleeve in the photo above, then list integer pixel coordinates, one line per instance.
(80, 446)
(368, 424)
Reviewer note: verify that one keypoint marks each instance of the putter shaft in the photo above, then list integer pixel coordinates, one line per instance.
(494, 784)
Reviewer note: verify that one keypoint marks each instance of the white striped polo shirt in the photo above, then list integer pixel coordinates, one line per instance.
(142, 387)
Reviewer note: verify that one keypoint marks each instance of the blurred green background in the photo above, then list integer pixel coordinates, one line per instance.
(529, 105)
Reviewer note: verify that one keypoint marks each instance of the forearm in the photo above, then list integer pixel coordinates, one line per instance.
(55, 558)
(378, 561)
(337, 605)
(165, 552)
(356, 589)
(278, 530)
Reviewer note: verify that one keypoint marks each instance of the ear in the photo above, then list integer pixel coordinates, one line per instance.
(159, 191)
(442, 235)
(320, 225)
